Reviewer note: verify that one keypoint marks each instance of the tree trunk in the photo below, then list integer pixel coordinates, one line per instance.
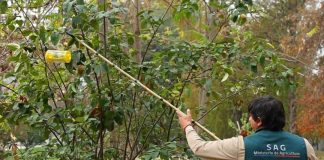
(137, 32)
(203, 99)
(292, 107)
(102, 35)
(104, 27)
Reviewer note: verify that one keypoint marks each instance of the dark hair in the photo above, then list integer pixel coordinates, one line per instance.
(270, 111)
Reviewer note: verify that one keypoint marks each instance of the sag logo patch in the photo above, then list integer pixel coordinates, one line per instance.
(276, 147)
(276, 151)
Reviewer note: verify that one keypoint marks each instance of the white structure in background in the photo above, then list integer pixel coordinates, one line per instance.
(320, 54)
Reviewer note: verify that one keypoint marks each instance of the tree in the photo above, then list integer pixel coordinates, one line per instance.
(292, 26)
(87, 110)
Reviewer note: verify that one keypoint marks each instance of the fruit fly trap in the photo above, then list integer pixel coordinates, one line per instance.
(58, 56)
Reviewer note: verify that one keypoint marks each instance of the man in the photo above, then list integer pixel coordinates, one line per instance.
(269, 142)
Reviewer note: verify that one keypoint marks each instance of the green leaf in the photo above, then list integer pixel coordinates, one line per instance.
(173, 70)
(97, 69)
(26, 32)
(261, 59)
(109, 115)
(193, 35)
(234, 18)
(19, 22)
(241, 19)
(67, 5)
(42, 33)
(55, 37)
(71, 42)
(254, 67)
(73, 88)
(13, 46)
(15, 107)
(249, 2)
(102, 14)
(119, 117)
(80, 2)
(76, 56)
(47, 108)
(225, 77)
(3, 7)
(33, 36)
(228, 69)
(288, 73)
(80, 9)
(69, 67)
(109, 120)
(76, 21)
(18, 67)
(130, 38)
(87, 79)
(104, 67)
(11, 26)
(10, 18)
(81, 119)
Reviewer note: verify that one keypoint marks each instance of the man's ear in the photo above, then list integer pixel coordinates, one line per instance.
(259, 122)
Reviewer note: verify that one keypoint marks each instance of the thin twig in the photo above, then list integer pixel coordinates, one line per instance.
(220, 28)
(97, 83)
(9, 89)
(138, 133)
(177, 105)
(220, 102)
(153, 36)
(150, 132)
(140, 69)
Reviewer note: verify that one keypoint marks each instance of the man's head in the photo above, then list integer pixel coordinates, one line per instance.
(266, 112)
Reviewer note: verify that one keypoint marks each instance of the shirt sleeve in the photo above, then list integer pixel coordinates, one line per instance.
(310, 151)
(227, 149)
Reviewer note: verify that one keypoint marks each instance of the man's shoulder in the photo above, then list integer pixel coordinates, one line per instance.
(267, 134)
(293, 135)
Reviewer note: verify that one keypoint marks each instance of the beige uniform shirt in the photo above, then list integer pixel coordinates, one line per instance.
(227, 149)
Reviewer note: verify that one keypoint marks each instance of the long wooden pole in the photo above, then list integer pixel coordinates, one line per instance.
(143, 86)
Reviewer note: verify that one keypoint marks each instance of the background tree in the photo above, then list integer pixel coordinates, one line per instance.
(294, 28)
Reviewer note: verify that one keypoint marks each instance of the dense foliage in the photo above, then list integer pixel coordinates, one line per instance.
(185, 50)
